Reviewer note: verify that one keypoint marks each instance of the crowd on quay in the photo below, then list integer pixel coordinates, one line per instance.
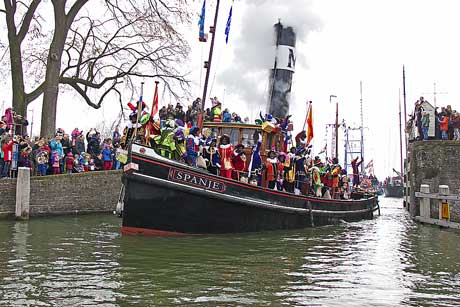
(64, 153)
(446, 122)
(293, 169)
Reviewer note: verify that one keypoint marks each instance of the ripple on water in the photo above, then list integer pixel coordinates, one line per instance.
(387, 261)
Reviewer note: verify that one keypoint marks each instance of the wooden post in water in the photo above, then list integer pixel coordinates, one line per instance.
(425, 211)
(23, 193)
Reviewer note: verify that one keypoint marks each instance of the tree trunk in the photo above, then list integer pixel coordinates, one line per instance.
(53, 71)
(17, 77)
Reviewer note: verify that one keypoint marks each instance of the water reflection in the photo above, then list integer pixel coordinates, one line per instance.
(388, 261)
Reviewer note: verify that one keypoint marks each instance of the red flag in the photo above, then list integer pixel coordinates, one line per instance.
(309, 124)
(155, 100)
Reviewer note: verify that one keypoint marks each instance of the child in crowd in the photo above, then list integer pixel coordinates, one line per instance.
(55, 163)
(107, 154)
(69, 163)
(77, 166)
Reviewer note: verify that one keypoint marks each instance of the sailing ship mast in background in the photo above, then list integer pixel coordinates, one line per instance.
(353, 145)
(400, 137)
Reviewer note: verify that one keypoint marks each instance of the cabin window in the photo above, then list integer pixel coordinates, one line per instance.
(214, 132)
(249, 137)
(233, 133)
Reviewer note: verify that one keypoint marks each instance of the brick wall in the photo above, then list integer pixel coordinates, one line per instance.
(435, 163)
(65, 194)
(7, 197)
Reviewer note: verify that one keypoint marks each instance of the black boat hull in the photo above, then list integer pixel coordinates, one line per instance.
(166, 198)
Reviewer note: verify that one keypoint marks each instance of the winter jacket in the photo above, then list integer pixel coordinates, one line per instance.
(444, 123)
(107, 154)
(8, 151)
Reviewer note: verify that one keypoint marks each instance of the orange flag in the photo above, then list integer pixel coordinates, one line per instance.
(309, 124)
(155, 100)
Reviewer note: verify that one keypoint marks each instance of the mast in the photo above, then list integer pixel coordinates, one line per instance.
(207, 65)
(400, 135)
(404, 96)
(362, 125)
(337, 129)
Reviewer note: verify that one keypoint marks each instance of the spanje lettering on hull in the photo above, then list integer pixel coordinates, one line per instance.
(178, 175)
(165, 197)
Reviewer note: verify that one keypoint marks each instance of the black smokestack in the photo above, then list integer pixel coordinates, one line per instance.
(281, 74)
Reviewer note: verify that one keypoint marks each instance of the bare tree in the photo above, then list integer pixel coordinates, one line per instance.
(98, 52)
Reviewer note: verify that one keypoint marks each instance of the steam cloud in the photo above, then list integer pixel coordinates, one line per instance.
(254, 52)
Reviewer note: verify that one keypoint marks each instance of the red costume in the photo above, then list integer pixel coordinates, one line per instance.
(226, 155)
(238, 161)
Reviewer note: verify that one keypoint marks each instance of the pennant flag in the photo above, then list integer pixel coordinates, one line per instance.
(309, 124)
(155, 101)
(227, 27)
(370, 164)
(201, 21)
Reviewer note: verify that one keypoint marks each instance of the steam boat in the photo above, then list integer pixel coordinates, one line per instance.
(162, 196)
(394, 187)
(166, 197)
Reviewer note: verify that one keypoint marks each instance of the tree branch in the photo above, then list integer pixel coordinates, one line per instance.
(28, 19)
(35, 93)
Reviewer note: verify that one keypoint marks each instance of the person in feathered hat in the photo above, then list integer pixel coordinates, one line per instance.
(130, 131)
(179, 151)
(354, 165)
(211, 156)
(238, 161)
(192, 145)
(255, 164)
(226, 152)
(335, 172)
(271, 169)
(316, 177)
(300, 169)
(281, 163)
(289, 171)
(301, 139)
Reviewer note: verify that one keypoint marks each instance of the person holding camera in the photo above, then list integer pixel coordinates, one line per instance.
(57, 154)
(7, 149)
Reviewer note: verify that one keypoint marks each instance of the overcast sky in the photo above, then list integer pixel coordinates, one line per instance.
(339, 44)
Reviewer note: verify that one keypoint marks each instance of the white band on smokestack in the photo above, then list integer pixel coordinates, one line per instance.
(286, 58)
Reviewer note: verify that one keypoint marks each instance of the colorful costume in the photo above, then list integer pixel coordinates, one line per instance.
(226, 153)
(212, 158)
(238, 161)
(354, 165)
(271, 170)
(192, 146)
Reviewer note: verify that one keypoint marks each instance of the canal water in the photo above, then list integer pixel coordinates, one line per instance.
(84, 261)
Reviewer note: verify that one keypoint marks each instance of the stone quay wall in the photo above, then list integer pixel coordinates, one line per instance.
(65, 194)
(434, 163)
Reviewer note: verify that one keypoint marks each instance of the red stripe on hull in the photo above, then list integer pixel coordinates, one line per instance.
(149, 232)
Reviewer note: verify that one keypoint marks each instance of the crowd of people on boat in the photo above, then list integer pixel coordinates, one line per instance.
(190, 116)
(430, 123)
(291, 169)
(64, 153)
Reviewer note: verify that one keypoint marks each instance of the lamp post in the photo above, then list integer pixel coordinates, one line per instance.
(31, 123)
